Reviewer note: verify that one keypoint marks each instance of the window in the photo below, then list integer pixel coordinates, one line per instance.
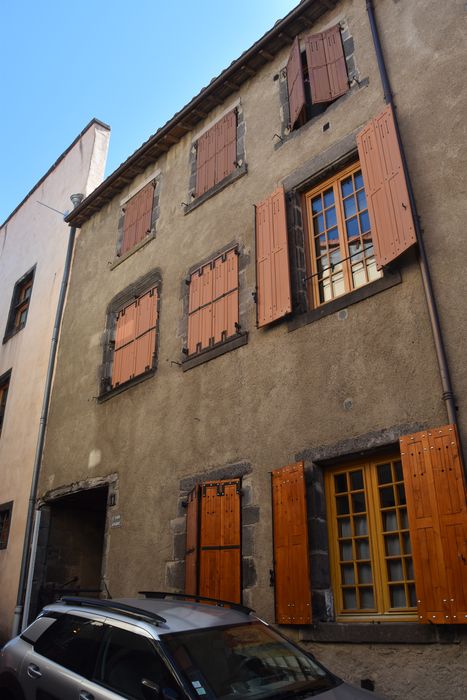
(213, 550)
(72, 642)
(4, 385)
(315, 76)
(213, 303)
(340, 242)
(216, 153)
(5, 521)
(134, 347)
(19, 305)
(137, 220)
(370, 546)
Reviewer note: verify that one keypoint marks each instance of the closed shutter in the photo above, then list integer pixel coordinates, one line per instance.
(191, 548)
(216, 153)
(437, 511)
(135, 338)
(200, 310)
(201, 164)
(295, 83)
(392, 227)
(327, 68)
(137, 222)
(291, 557)
(272, 259)
(220, 553)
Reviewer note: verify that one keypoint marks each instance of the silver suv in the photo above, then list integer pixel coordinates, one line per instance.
(162, 647)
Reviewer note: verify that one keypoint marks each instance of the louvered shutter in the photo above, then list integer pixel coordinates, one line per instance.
(327, 68)
(392, 226)
(225, 297)
(137, 221)
(437, 511)
(226, 145)
(145, 331)
(220, 552)
(335, 60)
(272, 259)
(124, 353)
(191, 547)
(295, 83)
(291, 556)
(200, 310)
(201, 164)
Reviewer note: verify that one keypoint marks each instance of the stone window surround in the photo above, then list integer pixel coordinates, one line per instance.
(244, 297)
(175, 569)
(126, 296)
(155, 177)
(241, 169)
(324, 627)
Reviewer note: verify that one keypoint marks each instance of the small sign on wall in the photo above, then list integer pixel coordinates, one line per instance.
(116, 520)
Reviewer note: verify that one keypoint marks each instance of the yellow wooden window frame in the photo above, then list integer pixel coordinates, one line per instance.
(313, 286)
(382, 610)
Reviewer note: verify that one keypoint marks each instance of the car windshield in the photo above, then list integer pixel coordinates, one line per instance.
(247, 661)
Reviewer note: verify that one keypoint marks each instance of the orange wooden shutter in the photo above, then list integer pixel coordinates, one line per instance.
(272, 259)
(145, 331)
(437, 510)
(191, 547)
(225, 297)
(220, 553)
(226, 145)
(392, 227)
(201, 164)
(291, 556)
(295, 83)
(326, 65)
(137, 222)
(124, 354)
(335, 59)
(200, 309)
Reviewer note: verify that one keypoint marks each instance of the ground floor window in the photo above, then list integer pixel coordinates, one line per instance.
(369, 540)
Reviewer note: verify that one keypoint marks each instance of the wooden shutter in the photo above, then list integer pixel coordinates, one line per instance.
(392, 227)
(291, 557)
(137, 221)
(200, 310)
(201, 164)
(272, 259)
(226, 145)
(135, 338)
(437, 511)
(191, 547)
(295, 83)
(225, 297)
(327, 68)
(220, 553)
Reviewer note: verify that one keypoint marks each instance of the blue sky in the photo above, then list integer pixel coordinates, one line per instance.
(130, 64)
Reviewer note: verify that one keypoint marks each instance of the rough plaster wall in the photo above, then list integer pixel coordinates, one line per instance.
(283, 392)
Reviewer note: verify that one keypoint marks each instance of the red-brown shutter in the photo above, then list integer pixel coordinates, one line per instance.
(392, 227)
(225, 297)
(200, 310)
(272, 259)
(335, 59)
(192, 543)
(326, 65)
(295, 83)
(201, 164)
(220, 553)
(124, 354)
(437, 511)
(137, 222)
(226, 145)
(291, 557)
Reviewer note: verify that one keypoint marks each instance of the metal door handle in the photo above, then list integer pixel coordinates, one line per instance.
(34, 671)
(85, 696)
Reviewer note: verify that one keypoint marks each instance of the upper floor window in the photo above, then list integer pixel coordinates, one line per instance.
(138, 218)
(5, 521)
(19, 307)
(340, 244)
(216, 153)
(4, 386)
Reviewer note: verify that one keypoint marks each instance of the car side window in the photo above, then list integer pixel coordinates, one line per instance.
(126, 661)
(72, 642)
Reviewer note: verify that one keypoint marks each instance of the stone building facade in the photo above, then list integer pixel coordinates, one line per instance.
(33, 246)
(244, 300)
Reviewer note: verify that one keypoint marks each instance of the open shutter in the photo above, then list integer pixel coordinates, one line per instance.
(327, 68)
(220, 554)
(191, 547)
(437, 511)
(335, 59)
(272, 259)
(392, 227)
(291, 557)
(295, 83)
(225, 297)
(145, 331)
(137, 221)
(123, 367)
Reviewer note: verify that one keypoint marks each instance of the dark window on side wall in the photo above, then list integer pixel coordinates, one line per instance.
(4, 386)
(5, 522)
(19, 307)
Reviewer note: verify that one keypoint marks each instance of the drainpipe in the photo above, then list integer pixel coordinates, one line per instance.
(448, 394)
(29, 552)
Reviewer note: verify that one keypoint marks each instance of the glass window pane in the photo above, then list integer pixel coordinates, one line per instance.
(403, 518)
(412, 596)
(352, 227)
(398, 599)
(367, 599)
(372, 271)
(350, 599)
(363, 549)
(331, 217)
(347, 186)
(364, 573)
(384, 474)
(395, 570)
(361, 200)
(328, 197)
(358, 180)
(345, 528)
(333, 236)
(389, 520)
(340, 483)
(338, 285)
(364, 222)
(348, 573)
(409, 568)
(346, 550)
(318, 224)
(406, 543)
(320, 245)
(316, 204)
(392, 544)
(342, 503)
(401, 494)
(356, 480)
(360, 525)
(398, 471)
(358, 502)
(349, 207)
(386, 496)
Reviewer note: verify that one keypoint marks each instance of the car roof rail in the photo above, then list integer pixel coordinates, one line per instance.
(114, 606)
(190, 597)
